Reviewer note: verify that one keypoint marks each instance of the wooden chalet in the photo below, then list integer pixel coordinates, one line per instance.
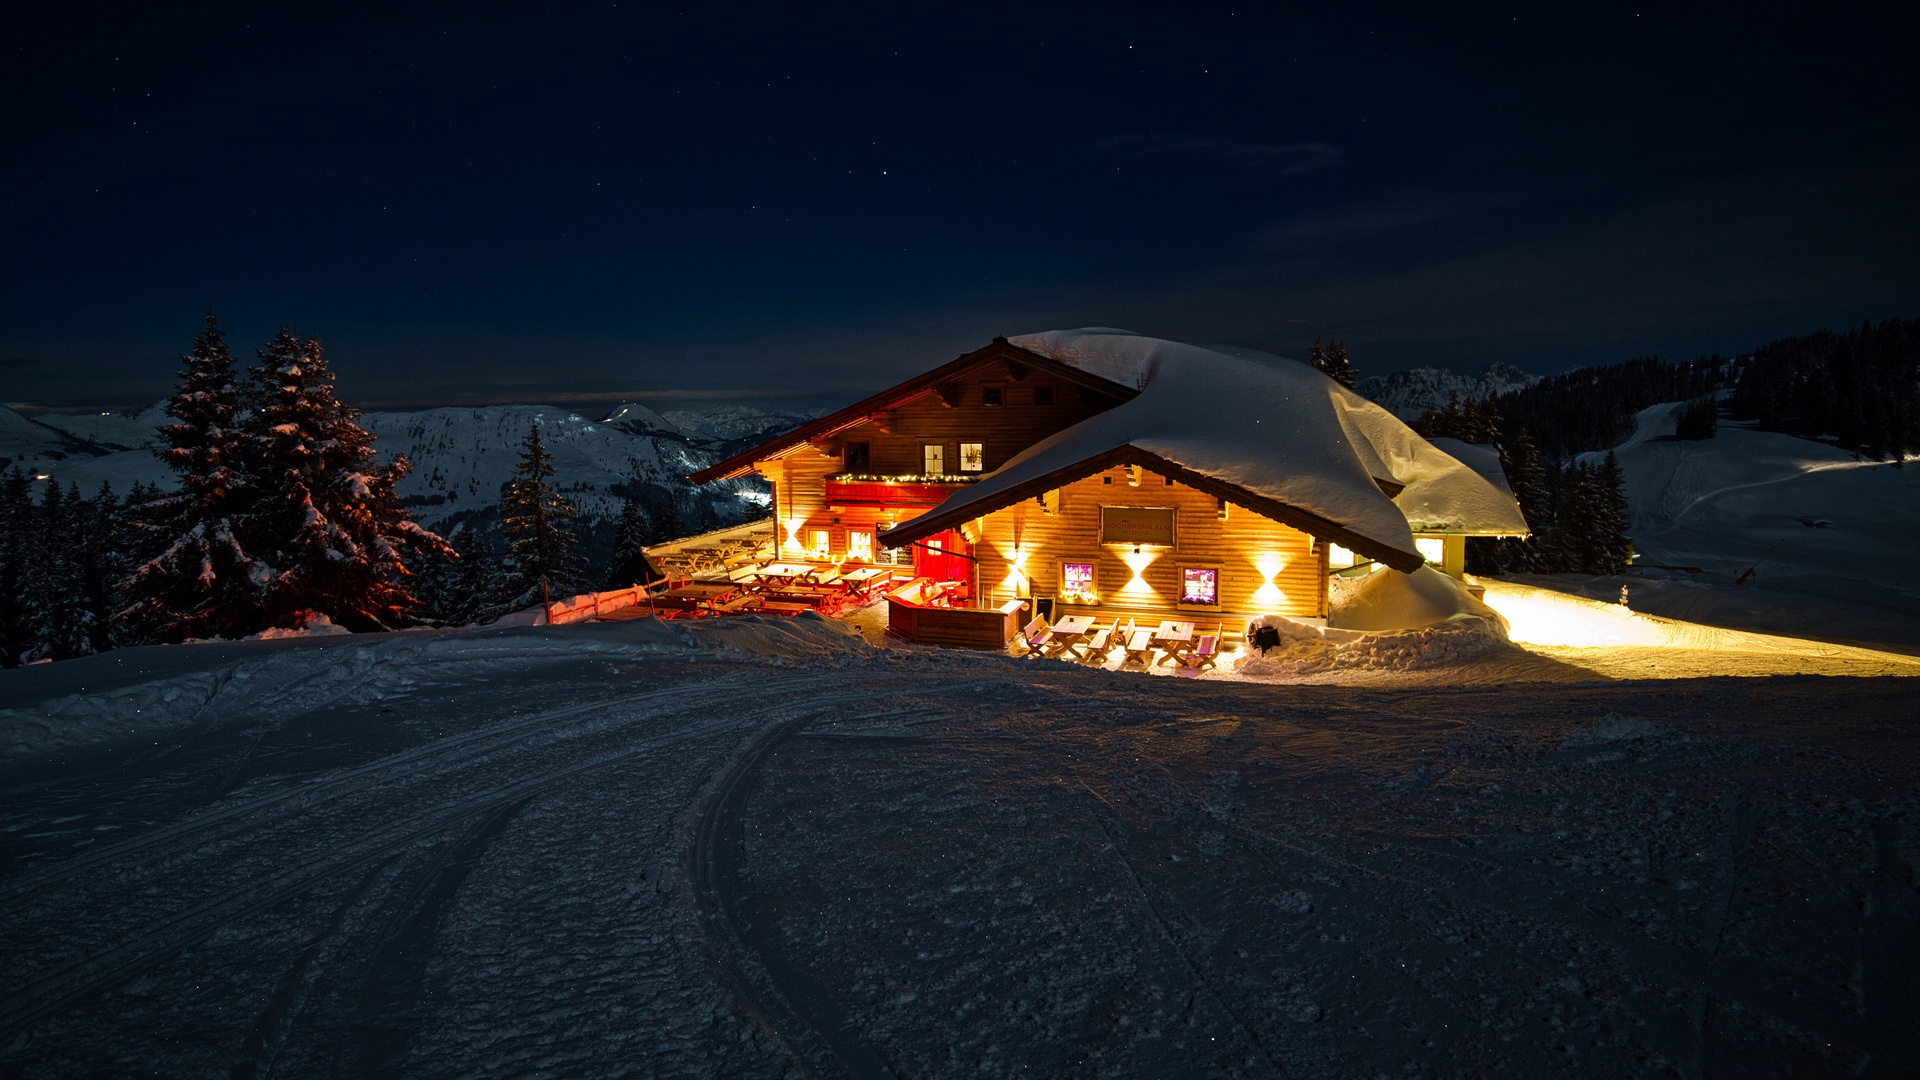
(1011, 480)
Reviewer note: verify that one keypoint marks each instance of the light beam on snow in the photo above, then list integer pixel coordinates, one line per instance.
(1538, 617)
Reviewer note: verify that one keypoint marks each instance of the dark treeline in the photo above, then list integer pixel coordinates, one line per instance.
(1861, 388)
(1592, 408)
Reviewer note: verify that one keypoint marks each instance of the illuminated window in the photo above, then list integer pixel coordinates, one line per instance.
(1076, 583)
(973, 456)
(934, 456)
(1200, 586)
(990, 395)
(860, 545)
(1431, 548)
(822, 541)
(1339, 558)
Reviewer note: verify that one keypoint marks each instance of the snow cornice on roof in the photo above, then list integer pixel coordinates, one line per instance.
(1271, 434)
(1000, 350)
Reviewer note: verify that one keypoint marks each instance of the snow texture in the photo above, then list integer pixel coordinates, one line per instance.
(1832, 535)
(1277, 429)
(1407, 394)
(625, 849)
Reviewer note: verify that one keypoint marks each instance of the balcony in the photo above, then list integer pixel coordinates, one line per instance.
(912, 489)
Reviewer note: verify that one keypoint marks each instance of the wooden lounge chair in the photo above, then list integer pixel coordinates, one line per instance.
(1139, 647)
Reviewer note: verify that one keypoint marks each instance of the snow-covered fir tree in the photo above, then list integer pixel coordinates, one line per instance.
(1612, 517)
(631, 535)
(542, 561)
(202, 577)
(330, 520)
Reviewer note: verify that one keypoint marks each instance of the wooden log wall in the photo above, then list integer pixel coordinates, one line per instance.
(1240, 547)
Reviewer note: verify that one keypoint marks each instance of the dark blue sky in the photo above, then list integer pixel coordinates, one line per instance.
(487, 203)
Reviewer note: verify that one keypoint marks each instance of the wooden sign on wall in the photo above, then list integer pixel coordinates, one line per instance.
(1136, 525)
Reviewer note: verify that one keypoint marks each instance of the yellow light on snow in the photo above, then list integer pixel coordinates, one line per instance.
(1540, 618)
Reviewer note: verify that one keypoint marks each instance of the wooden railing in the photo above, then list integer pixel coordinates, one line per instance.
(592, 605)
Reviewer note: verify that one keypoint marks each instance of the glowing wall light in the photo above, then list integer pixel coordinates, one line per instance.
(1269, 564)
(1138, 561)
(792, 527)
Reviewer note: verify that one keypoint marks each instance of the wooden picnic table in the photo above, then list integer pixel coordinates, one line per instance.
(862, 579)
(781, 573)
(1175, 636)
(1068, 632)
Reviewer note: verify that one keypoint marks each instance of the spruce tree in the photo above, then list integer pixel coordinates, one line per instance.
(16, 544)
(55, 607)
(534, 517)
(104, 552)
(1612, 517)
(330, 517)
(1338, 366)
(1521, 460)
(202, 576)
(629, 542)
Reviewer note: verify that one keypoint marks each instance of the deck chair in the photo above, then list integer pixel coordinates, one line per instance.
(1094, 650)
(1036, 635)
(1139, 647)
(1204, 652)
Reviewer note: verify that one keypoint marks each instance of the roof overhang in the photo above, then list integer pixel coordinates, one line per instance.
(860, 411)
(1306, 521)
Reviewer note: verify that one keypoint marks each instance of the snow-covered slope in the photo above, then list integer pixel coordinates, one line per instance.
(1835, 533)
(1407, 394)
(461, 456)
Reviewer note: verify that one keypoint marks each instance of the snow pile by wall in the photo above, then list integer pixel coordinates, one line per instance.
(808, 637)
(1391, 622)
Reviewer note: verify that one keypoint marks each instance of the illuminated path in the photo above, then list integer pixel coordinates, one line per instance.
(1618, 642)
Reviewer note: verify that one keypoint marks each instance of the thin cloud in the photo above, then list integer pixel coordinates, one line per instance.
(1285, 159)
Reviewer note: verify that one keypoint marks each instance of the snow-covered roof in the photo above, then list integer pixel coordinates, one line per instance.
(1266, 426)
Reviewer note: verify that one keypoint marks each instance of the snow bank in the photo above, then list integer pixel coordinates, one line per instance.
(1393, 622)
(314, 625)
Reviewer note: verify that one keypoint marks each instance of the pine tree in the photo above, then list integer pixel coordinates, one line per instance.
(534, 517)
(1337, 366)
(666, 519)
(1521, 461)
(629, 542)
(329, 516)
(201, 577)
(55, 605)
(1612, 517)
(105, 550)
(16, 542)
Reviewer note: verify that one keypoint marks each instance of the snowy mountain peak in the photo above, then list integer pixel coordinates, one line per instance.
(1409, 393)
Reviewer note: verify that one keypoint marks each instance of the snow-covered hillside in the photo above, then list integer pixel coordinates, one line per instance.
(461, 456)
(760, 848)
(1409, 393)
(1833, 535)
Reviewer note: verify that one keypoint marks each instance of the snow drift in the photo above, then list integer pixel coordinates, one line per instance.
(1389, 622)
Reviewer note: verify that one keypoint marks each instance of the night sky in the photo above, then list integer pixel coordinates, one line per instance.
(688, 207)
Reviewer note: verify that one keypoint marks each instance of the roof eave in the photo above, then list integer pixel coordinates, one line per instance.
(999, 349)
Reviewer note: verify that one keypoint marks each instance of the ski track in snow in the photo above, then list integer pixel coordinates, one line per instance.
(864, 863)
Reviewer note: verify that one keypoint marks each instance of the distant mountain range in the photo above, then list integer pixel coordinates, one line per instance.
(461, 456)
(1409, 393)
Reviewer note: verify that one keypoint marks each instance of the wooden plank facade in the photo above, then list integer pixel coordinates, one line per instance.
(1258, 566)
(835, 491)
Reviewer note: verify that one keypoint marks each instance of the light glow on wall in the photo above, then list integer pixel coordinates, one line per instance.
(1138, 561)
(1269, 564)
(793, 527)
